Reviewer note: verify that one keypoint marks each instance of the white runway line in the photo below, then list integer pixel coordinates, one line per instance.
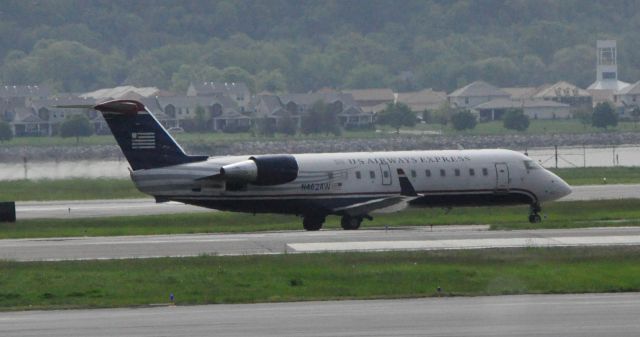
(315, 247)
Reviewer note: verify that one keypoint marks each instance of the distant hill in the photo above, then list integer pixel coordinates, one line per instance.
(297, 45)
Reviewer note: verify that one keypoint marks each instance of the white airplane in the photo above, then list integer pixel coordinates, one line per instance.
(315, 185)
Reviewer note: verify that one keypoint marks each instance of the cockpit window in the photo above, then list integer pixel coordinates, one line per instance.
(531, 165)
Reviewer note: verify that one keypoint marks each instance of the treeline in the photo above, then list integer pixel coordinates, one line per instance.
(278, 45)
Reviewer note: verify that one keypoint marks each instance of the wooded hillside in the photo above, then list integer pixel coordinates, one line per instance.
(276, 45)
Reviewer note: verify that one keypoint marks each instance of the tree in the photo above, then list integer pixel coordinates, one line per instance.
(321, 118)
(264, 127)
(463, 120)
(202, 119)
(604, 115)
(76, 126)
(397, 115)
(584, 115)
(635, 115)
(6, 134)
(515, 119)
(287, 125)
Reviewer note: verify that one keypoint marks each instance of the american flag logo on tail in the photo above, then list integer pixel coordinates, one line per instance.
(143, 140)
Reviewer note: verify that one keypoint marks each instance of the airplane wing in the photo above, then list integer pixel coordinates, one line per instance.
(407, 193)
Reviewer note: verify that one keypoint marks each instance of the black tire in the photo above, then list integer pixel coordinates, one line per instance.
(312, 223)
(535, 218)
(350, 223)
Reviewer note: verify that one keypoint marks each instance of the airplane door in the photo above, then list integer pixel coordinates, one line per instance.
(502, 176)
(385, 170)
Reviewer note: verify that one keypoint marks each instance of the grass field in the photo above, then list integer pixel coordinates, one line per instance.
(248, 279)
(83, 189)
(557, 215)
(68, 189)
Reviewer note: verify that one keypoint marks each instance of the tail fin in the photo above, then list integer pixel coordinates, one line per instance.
(143, 140)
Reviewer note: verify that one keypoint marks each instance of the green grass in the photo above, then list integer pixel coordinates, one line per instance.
(557, 215)
(83, 189)
(249, 279)
(594, 175)
(68, 189)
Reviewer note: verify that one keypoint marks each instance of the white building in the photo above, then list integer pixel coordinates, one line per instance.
(607, 67)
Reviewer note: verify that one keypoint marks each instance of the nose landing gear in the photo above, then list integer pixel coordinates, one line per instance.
(534, 214)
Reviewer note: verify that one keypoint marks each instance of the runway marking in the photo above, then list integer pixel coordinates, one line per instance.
(465, 244)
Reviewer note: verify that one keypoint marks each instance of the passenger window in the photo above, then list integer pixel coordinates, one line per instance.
(472, 172)
(413, 173)
(385, 174)
(358, 175)
(485, 172)
(457, 172)
(443, 173)
(428, 173)
(372, 174)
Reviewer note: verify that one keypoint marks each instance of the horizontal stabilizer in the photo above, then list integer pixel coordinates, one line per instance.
(75, 106)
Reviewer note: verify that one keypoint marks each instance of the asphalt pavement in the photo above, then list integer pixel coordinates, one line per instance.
(290, 242)
(583, 315)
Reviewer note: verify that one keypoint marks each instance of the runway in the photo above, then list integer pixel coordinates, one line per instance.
(291, 242)
(584, 315)
(131, 207)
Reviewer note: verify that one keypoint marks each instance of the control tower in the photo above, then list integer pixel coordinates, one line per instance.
(607, 67)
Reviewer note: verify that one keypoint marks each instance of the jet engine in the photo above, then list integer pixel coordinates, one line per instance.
(262, 170)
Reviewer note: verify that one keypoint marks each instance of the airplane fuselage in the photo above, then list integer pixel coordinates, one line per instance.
(330, 181)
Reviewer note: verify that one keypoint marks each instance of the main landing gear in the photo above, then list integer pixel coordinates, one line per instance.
(350, 222)
(534, 214)
(313, 222)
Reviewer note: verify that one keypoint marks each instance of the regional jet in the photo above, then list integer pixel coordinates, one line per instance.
(316, 185)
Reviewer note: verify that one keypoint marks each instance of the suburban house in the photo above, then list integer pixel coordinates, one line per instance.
(475, 94)
(423, 100)
(296, 106)
(629, 96)
(372, 100)
(221, 112)
(567, 93)
(349, 113)
(123, 92)
(16, 95)
(239, 92)
(533, 108)
(270, 108)
(48, 111)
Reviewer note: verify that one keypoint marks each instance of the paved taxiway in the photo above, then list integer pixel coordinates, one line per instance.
(412, 238)
(129, 207)
(582, 315)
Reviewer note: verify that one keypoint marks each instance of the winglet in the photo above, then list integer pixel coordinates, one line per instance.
(406, 189)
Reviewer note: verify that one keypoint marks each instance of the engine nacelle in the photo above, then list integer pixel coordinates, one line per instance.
(262, 170)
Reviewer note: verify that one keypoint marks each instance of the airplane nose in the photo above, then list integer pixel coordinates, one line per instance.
(564, 189)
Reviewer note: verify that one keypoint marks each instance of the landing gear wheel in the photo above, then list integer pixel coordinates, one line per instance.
(312, 223)
(535, 218)
(350, 222)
